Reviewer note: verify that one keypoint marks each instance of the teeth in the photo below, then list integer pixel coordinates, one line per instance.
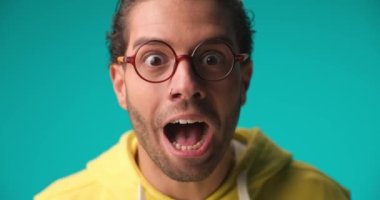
(177, 146)
(185, 121)
(187, 148)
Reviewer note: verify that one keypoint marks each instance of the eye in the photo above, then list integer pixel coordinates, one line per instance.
(212, 58)
(154, 60)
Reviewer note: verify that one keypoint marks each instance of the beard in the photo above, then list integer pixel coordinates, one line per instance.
(188, 170)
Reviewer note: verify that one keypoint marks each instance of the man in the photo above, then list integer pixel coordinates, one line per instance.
(181, 69)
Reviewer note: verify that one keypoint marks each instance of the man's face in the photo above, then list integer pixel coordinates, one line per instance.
(184, 124)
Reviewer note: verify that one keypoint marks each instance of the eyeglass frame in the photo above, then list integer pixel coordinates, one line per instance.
(241, 57)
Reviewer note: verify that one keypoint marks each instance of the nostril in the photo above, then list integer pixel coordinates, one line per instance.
(178, 95)
(175, 95)
(197, 95)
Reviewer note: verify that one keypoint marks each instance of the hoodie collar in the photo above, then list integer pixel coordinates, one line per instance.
(255, 155)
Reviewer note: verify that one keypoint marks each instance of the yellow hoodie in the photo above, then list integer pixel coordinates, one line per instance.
(262, 172)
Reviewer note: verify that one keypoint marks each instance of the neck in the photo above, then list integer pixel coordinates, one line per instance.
(179, 190)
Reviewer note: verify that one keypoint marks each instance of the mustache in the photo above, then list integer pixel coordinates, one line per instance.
(199, 107)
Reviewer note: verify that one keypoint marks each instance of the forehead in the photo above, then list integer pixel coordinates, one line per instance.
(181, 23)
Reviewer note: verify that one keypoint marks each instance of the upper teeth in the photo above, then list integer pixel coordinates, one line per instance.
(185, 121)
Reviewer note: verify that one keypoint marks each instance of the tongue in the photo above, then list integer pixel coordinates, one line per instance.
(188, 134)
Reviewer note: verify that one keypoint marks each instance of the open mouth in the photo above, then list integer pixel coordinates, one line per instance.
(186, 135)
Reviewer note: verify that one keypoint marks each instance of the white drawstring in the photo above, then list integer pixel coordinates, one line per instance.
(140, 194)
(242, 185)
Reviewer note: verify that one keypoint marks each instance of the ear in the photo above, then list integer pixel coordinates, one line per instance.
(246, 70)
(117, 77)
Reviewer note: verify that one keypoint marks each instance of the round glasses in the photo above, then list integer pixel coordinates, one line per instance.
(156, 61)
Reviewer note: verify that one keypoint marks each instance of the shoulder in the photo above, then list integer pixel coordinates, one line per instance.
(106, 177)
(302, 181)
(80, 185)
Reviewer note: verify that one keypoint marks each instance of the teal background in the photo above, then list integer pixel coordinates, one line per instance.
(315, 89)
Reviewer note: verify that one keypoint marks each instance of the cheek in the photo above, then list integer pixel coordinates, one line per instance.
(143, 97)
(226, 95)
(232, 86)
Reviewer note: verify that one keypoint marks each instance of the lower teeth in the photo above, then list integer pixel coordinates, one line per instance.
(187, 148)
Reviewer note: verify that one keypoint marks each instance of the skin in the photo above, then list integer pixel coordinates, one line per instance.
(182, 24)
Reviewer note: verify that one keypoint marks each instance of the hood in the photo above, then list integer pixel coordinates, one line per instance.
(116, 169)
(261, 158)
(256, 156)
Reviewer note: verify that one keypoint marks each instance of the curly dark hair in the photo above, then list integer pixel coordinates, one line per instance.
(240, 20)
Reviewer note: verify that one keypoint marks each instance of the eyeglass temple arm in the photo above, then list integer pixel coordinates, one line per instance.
(241, 57)
(122, 59)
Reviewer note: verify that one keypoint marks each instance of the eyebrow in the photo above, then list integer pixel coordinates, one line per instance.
(143, 40)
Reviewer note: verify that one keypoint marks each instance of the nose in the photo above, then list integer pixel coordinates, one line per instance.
(185, 84)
